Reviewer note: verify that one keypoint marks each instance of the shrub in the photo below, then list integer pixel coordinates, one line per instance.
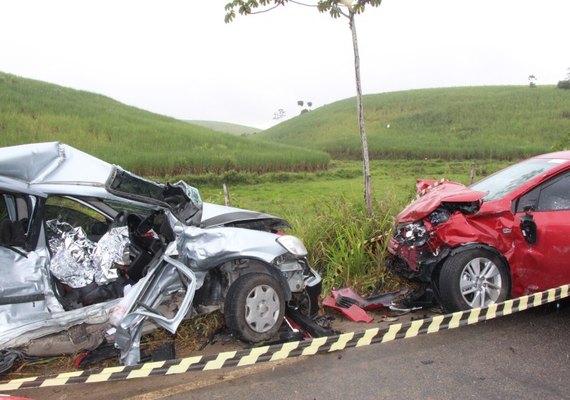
(338, 239)
(565, 84)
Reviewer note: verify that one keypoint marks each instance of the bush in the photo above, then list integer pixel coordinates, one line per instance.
(347, 247)
(564, 84)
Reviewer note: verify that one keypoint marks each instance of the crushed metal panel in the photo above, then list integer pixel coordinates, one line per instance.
(56, 322)
(450, 192)
(53, 162)
(166, 278)
(217, 215)
(206, 248)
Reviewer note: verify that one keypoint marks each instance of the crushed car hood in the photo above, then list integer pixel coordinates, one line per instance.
(433, 196)
(217, 215)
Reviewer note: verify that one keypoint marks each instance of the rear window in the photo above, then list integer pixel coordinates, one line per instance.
(505, 181)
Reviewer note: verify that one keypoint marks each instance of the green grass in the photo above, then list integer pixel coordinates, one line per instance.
(147, 143)
(502, 122)
(226, 127)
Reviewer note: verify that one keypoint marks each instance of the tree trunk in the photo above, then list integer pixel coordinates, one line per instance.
(360, 109)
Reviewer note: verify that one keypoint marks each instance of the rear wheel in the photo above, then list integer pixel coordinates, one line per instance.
(473, 278)
(254, 307)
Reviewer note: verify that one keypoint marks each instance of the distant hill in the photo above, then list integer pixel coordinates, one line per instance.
(147, 143)
(226, 127)
(499, 122)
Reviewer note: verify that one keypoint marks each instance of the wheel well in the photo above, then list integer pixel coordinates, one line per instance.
(464, 248)
(234, 269)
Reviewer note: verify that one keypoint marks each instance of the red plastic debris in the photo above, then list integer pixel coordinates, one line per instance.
(354, 312)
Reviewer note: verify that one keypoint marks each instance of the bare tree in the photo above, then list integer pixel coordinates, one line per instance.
(532, 81)
(279, 114)
(337, 9)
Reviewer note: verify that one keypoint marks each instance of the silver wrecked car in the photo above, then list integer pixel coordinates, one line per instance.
(91, 253)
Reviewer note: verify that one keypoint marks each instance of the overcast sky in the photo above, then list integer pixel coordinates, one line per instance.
(179, 58)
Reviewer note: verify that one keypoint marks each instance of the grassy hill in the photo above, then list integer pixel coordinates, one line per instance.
(150, 144)
(499, 122)
(227, 127)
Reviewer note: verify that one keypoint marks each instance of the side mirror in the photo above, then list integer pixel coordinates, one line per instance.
(528, 227)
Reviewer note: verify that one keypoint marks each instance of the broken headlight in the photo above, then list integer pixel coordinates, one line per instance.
(293, 245)
(413, 234)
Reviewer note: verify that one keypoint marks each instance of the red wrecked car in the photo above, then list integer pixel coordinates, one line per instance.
(505, 236)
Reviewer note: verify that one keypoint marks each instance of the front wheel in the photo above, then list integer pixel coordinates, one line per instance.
(473, 278)
(254, 307)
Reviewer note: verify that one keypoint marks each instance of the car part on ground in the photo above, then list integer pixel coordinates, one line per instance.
(353, 313)
(346, 297)
(163, 256)
(504, 236)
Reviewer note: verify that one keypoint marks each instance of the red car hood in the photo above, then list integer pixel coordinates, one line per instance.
(433, 195)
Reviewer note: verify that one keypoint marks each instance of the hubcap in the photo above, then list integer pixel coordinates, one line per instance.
(262, 308)
(480, 283)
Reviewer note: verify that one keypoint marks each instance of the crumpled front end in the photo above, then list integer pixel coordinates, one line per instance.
(445, 217)
(204, 249)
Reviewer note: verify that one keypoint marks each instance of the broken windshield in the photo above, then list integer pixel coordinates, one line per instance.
(505, 181)
(128, 184)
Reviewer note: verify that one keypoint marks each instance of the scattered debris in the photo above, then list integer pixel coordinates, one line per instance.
(346, 297)
(353, 313)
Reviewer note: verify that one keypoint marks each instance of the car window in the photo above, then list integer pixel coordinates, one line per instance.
(505, 181)
(74, 213)
(555, 195)
(550, 196)
(15, 212)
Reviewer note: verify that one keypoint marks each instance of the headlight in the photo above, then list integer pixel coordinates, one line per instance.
(293, 245)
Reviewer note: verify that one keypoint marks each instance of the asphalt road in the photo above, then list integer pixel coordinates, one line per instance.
(523, 356)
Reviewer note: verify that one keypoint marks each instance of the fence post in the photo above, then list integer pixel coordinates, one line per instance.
(227, 201)
(472, 173)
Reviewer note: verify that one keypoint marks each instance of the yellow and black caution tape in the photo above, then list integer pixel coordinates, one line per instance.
(422, 192)
(294, 349)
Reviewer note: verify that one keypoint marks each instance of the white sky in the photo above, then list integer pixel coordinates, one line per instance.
(179, 58)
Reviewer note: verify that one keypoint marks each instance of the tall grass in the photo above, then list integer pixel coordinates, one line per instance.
(502, 122)
(347, 246)
(147, 143)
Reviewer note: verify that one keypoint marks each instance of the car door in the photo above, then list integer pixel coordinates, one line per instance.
(24, 259)
(545, 209)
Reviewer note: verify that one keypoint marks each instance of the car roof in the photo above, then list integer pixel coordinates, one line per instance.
(564, 155)
(53, 167)
(53, 162)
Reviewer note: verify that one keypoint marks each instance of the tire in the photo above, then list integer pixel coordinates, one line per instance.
(254, 307)
(473, 278)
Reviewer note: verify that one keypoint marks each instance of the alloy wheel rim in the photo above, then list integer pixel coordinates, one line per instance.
(480, 282)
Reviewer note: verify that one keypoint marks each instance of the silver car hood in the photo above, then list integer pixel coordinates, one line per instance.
(217, 215)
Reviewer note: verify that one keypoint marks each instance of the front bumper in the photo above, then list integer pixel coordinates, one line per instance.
(416, 263)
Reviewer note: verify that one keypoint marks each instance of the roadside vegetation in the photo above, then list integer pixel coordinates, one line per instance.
(226, 127)
(499, 122)
(147, 143)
